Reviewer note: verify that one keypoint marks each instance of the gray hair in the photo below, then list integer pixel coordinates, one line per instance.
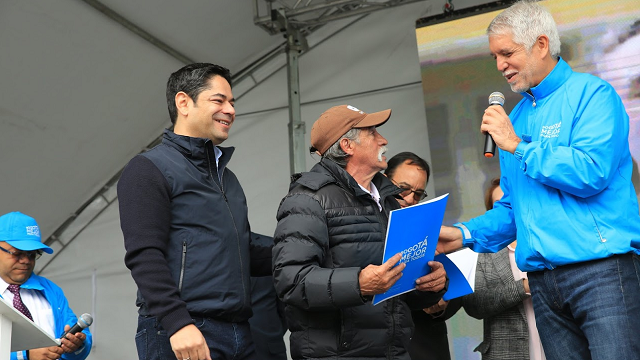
(336, 153)
(526, 21)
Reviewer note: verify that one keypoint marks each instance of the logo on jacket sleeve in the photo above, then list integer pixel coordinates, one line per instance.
(551, 131)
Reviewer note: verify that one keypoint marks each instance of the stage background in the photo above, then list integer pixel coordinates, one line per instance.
(458, 74)
(84, 94)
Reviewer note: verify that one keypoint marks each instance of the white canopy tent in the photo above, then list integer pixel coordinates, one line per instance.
(82, 94)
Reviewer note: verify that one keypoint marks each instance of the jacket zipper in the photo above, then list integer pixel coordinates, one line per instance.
(182, 265)
(244, 289)
(529, 122)
(392, 302)
(233, 220)
(533, 98)
(341, 342)
(530, 131)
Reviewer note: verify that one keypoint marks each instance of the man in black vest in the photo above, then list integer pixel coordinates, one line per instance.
(188, 245)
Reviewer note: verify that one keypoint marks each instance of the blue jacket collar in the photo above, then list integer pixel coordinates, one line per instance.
(33, 283)
(560, 73)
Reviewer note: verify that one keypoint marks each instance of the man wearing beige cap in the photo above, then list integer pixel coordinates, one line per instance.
(327, 258)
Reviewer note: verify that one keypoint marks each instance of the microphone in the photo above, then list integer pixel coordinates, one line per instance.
(496, 98)
(83, 322)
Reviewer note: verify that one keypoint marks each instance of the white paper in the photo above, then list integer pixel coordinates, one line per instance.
(466, 260)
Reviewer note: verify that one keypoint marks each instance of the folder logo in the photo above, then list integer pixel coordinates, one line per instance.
(415, 252)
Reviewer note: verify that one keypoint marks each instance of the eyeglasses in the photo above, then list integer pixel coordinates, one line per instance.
(418, 195)
(32, 255)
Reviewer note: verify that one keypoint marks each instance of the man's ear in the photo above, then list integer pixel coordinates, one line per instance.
(542, 46)
(347, 146)
(182, 103)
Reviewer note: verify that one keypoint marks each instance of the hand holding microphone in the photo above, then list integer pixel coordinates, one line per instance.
(84, 321)
(72, 343)
(498, 127)
(496, 98)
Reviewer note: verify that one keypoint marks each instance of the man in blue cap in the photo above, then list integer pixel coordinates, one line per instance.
(37, 298)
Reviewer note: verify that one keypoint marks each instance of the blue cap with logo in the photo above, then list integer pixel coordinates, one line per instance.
(22, 232)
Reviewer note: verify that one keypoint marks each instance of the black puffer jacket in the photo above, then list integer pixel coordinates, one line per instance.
(328, 230)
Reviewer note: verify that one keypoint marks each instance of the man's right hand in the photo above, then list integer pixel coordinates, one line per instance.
(450, 240)
(378, 279)
(46, 353)
(188, 343)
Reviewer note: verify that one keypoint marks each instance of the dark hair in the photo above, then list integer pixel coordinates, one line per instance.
(488, 195)
(403, 157)
(192, 80)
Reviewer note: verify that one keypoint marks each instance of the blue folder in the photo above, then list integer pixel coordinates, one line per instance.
(413, 231)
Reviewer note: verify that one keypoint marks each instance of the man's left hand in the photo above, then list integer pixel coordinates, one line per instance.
(72, 342)
(433, 281)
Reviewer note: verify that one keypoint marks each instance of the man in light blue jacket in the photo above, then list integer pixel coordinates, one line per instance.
(569, 200)
(37, 298)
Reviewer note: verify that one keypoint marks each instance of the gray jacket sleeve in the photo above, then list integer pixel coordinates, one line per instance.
(495, 288)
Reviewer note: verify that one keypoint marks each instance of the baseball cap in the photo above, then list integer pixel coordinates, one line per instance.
(338, 120)
(22, 232)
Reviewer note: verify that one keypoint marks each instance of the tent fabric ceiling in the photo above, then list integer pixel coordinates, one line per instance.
(82, 94)
(219, 31)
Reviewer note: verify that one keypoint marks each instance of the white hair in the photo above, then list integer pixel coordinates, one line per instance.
(335, 152)
(526, 21)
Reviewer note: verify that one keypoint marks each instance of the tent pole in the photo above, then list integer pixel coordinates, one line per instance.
(297, 131)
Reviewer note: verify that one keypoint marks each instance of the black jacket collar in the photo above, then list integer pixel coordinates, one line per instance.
(195, 148)
(327, 171)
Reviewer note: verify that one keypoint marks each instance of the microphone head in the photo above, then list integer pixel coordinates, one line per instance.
(496, 98)
(85, 320)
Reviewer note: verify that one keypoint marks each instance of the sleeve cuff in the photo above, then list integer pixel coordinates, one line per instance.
(345, 288)
(519, 153)
(176, 321)
(466, 234)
